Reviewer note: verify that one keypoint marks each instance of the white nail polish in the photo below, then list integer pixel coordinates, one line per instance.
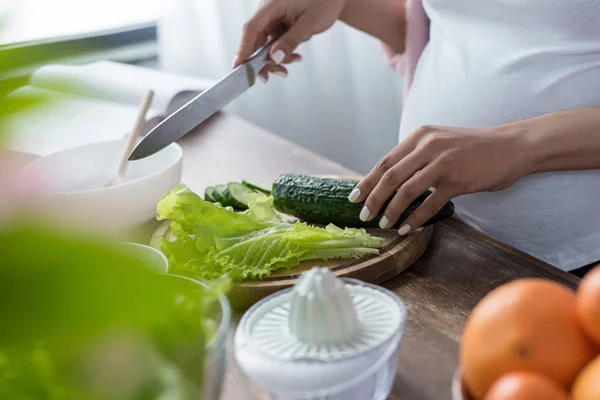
(364, 214)
(404, 230)
(278, 57)
(281, 73)
(262, 79)
(384, 222)
(354, 195)
(234, 61)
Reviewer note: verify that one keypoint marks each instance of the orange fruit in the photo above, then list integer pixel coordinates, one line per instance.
(588, 303)
(525, 386)
(587, 384)
(524, 325)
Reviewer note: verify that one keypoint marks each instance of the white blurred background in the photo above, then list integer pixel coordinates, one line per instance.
(342, 101)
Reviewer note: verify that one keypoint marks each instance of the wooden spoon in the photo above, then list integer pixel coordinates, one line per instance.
(132, 139)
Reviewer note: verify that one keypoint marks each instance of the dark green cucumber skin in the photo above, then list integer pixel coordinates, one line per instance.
(208, 194)
(325, 200)
(256, 187)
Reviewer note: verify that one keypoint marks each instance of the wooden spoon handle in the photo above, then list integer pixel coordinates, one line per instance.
(136, 132)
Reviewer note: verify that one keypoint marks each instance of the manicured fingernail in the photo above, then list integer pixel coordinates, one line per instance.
(404, 230)
(234, 61)
(354, 195)
(364, 214)
(384, 222)
(262, 79)
(278, 56)
(281, 73)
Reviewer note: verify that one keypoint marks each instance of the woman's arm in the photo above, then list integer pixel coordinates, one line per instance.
(566, 140)
(383, 19)
(457, 161)
(295, 21)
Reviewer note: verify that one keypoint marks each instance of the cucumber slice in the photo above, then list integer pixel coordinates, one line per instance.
(209, 194)
(258, 186)
(236, 195)
(219, 195)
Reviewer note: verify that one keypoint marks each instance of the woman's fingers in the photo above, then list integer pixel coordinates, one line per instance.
(391, 180)
(255, 32)
(292, 58)
(430, 207)
(300, 31)
(278, 70)
(406, 194)
(368, 183)
(263, 75)
(273, 69)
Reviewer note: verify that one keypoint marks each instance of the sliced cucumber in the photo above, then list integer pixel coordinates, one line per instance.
(258, 186)
(236, 195)
(209, 194)
(219, 195)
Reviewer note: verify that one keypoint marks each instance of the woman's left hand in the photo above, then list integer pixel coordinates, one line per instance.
(454, 161)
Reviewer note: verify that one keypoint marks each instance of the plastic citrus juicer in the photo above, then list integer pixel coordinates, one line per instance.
(325, 338)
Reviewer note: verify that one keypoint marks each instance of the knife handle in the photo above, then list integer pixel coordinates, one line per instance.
(261, 58)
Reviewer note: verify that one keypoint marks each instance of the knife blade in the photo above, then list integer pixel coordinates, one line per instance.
(203, 106)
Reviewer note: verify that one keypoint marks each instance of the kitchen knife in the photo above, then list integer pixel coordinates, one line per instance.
(201, 107)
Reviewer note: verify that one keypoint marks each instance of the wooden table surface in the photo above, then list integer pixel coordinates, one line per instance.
(460, 266)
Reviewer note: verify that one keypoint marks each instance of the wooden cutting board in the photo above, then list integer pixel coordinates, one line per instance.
(397, 254)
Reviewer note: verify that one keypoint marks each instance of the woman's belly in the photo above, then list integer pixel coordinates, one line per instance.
(553, 216)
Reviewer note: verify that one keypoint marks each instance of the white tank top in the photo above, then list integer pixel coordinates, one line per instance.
(491, 62)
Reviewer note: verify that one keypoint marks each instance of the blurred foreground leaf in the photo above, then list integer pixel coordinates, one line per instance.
(57, 286)
(83, 319)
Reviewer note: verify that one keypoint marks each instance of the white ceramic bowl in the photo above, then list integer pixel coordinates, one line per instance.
(155, 259)
(73, 181)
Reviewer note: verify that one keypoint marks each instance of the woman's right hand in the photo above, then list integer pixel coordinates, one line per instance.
(295, 20)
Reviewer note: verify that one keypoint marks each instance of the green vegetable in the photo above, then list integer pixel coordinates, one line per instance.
(325, 200)
(258, 186)
(219, 194)
(208, 241)
(236, 195)
(209, 194)
(233, 194)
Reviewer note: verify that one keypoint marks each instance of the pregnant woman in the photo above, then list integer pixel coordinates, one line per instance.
(502, 112)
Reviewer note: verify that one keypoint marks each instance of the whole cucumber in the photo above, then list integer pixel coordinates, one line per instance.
(325, 200)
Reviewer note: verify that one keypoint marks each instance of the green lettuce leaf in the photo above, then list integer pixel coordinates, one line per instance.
(260, 207)
(208, 241)
(190, 215)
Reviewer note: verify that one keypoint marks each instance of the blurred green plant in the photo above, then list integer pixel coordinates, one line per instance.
(66, 302)
(81, 319)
